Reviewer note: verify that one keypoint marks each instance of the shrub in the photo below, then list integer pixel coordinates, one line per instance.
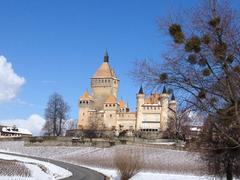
(128, 164)
(123, 141)
(111, 143)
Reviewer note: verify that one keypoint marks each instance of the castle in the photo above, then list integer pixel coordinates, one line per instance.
(102, 110)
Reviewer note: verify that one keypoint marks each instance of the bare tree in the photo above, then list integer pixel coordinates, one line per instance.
(55, 115)
(95, 124)
(70, 124)
(220, 150)
(177, 124)
(95, 121)
(203, 65)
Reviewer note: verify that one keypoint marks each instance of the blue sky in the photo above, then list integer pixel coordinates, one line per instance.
(57, 46)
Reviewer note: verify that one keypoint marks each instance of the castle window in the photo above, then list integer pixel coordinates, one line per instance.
(110, 115)
(80, 102)
(83, 114)
(105, 80)
(155, 108)
(109, 80)
(106, 105)
(87, 102)
(110, 105)
(113, 105)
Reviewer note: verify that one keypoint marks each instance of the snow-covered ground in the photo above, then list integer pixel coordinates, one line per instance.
(39, 170)
(171, 163)
(155, 176)
(151, 175)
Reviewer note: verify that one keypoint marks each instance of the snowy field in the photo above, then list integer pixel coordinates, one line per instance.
(39, 170)
(152, 175)
(180, 164)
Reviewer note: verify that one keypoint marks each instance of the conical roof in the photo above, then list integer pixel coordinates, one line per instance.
(85, 96)
(111, 100)
(121, 104)
(141, 90)
(164, 90)
(104, 71)
(173, 97)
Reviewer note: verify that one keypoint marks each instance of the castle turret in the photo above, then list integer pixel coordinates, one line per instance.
(139, 109)
(85, 103)
(104, 83)
(164, 99)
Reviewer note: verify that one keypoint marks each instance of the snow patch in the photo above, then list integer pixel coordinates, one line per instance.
(52, 171)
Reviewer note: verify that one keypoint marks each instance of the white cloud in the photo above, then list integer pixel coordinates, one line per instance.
(10, 82)
(34, 123)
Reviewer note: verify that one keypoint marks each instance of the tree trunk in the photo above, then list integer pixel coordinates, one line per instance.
(60, 127)
(54, 127)
(229, 173)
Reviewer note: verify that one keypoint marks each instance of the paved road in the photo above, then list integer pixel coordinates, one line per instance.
(79, 173)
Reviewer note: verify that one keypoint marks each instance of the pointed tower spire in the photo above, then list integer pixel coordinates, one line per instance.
(106, 57)
(173, 97)
(164, 90)
(141, 90)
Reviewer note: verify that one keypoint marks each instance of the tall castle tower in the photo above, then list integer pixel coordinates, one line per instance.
(164, 98)
(139, 109)
(104, 83)
(85, 103)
